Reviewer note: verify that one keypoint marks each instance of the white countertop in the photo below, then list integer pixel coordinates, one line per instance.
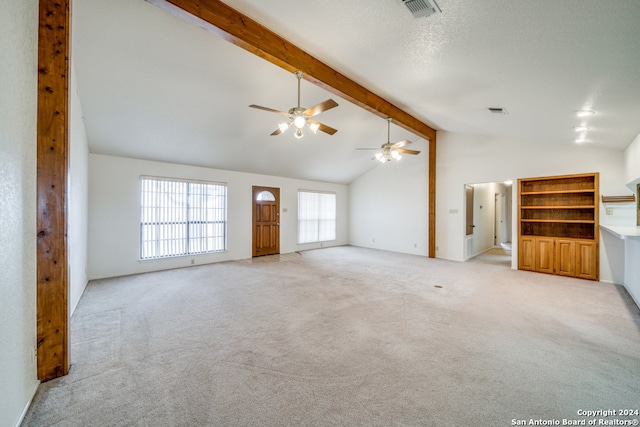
(623, 231)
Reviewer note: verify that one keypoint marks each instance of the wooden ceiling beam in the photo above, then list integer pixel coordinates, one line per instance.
(226, 22)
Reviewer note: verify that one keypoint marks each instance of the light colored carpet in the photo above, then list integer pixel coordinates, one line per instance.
(495, 256)
(340, 337)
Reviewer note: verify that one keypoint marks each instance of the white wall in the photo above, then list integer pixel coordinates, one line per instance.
(78, 198)
(632, 272)
(389, 206)
(114, 213)
(632, 246)
(632, 163)
(18, 89)
(463, 158)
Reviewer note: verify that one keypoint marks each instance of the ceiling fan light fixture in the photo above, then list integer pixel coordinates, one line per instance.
(283, 126)
(299, 121)
(396, 155)
(299, 116)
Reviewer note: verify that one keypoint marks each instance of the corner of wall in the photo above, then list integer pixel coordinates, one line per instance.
(78, 198)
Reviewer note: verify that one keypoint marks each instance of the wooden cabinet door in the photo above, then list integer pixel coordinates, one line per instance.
(527, 253)
(544, 255)
(586, 260)
(565, 257)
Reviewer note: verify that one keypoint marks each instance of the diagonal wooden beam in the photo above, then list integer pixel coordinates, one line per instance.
(229, 24)
(226, 22)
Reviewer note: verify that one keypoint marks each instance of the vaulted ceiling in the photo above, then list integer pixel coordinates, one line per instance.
(154, 86)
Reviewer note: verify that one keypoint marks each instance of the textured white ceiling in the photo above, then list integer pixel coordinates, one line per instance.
(153, 86)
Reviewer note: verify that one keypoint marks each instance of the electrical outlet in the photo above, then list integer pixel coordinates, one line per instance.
(609, 211)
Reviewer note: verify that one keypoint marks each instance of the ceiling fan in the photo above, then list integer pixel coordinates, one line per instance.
(389, 151)
(300, 116)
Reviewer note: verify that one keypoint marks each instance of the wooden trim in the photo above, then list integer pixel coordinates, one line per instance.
(231, 25)
(432, 197)
(554, 177)
(52, 166)
(619, 199)
(638, 207)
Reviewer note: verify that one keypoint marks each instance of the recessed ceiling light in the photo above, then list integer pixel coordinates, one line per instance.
(581, 128)
(585, 113)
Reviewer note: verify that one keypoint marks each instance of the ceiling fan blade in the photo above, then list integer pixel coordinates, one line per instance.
(401, 144)
(269, 109)
(276, 132)
(324, 128)
(405, 151)
(319, 108)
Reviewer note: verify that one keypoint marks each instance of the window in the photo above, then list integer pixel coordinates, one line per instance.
(181, 217)
(265, 196)
(316, 216)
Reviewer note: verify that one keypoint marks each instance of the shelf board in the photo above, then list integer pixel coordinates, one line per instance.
(559, 207)
(585, 190)
(619, 199)
(561, 221)
(557, 237)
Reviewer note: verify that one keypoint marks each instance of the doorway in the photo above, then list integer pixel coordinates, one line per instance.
(500, 235)
(266, 221)
(491, 210)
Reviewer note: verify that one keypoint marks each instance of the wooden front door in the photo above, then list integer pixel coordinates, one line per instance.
(266, 221)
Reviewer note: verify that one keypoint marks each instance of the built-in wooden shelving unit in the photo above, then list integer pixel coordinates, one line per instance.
(558, 225)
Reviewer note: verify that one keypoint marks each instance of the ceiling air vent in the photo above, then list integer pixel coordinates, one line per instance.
(496, 110)
(419, 8)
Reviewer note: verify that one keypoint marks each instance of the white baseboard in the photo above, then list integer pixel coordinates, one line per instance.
(26, 408)
(636, 300)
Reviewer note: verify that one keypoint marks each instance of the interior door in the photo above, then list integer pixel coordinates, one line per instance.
(468, 192)
(266, 221)
(638, 197)
(500, 226)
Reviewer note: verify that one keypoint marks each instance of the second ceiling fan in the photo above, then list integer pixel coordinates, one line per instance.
(300, 117)
(389, 151)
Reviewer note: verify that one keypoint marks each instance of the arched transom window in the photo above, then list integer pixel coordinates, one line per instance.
(265, 196)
